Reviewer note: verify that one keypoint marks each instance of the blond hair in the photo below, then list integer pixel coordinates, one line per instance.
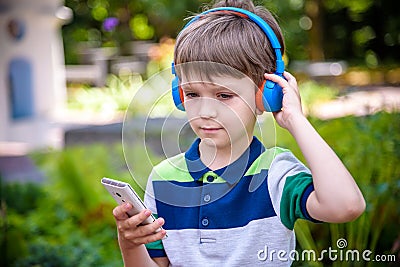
(231, 40)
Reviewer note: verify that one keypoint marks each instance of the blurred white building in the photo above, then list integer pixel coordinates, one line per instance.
(32, 70)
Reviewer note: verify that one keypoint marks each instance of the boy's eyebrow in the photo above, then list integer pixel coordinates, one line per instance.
(200, 85)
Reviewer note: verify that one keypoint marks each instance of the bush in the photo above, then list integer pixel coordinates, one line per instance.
(68, 220)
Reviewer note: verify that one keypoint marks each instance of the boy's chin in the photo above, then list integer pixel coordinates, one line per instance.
(216, 143)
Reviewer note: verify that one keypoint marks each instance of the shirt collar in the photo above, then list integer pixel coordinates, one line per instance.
(231, 173)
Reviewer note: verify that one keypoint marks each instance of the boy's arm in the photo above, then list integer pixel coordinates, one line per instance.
(132, 237)
(337, 197)
(135, 258)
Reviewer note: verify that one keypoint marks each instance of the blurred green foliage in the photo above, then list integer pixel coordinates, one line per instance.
(363, 31)
(114, 97)
(313, 93)
(68, 220)
(137, 20)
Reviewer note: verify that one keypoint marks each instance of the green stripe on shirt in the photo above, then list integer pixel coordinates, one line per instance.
(290, 207)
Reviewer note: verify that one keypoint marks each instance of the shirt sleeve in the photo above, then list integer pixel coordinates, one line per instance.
(290, 184)
(155, 249)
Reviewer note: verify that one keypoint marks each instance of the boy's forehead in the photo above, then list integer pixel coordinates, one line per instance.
(218, 81)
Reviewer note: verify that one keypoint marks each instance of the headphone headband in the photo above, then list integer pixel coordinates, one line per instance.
(280, 66)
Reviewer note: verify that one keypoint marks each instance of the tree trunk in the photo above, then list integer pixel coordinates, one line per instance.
(314, 10)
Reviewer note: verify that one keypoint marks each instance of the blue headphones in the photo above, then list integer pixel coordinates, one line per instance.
(269, 96)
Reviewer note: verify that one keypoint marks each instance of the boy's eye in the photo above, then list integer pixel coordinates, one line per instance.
(225, 96)
(191, 95)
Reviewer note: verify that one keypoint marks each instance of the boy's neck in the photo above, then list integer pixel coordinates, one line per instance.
(216, 158)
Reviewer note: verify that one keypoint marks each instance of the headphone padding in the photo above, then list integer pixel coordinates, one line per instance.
(259, 97)
(177, 94)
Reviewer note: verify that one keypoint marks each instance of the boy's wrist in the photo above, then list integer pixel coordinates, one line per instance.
(127, 245)
(296, 121)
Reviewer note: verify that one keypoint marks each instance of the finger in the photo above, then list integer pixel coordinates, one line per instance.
(287, 85)
(134, 221)
(152, 237)
(288, 76)
(138, 234)
(119, 212)
(151, 228)
(277, 79)
(291, 80)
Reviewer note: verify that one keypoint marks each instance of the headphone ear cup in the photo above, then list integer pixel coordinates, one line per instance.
(177, 94)
(269, 96)
(259, 97)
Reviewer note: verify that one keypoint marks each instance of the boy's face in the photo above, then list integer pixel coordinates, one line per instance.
(221, 110)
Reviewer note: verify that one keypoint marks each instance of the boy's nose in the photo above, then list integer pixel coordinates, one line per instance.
(208, 108)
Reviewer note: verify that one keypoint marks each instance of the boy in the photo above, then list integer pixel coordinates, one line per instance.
(228, 197)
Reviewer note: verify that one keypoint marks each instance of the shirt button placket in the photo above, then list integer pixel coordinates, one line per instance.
(210, 178)
(205, 222)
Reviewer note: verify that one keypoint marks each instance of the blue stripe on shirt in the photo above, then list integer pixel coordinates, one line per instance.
(231, 206)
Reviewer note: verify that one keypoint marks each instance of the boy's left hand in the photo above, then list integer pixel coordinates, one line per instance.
(291, 103)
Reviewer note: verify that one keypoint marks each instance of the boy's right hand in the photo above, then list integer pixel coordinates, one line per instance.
(130, 233)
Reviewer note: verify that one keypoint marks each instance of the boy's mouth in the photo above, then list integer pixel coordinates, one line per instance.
(210, 129)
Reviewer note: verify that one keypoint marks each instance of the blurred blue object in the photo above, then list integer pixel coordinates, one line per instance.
(21, 89)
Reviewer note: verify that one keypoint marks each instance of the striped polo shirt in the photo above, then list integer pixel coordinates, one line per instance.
(239, 215)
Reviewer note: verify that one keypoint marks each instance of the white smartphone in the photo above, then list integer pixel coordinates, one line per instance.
(122, 192)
